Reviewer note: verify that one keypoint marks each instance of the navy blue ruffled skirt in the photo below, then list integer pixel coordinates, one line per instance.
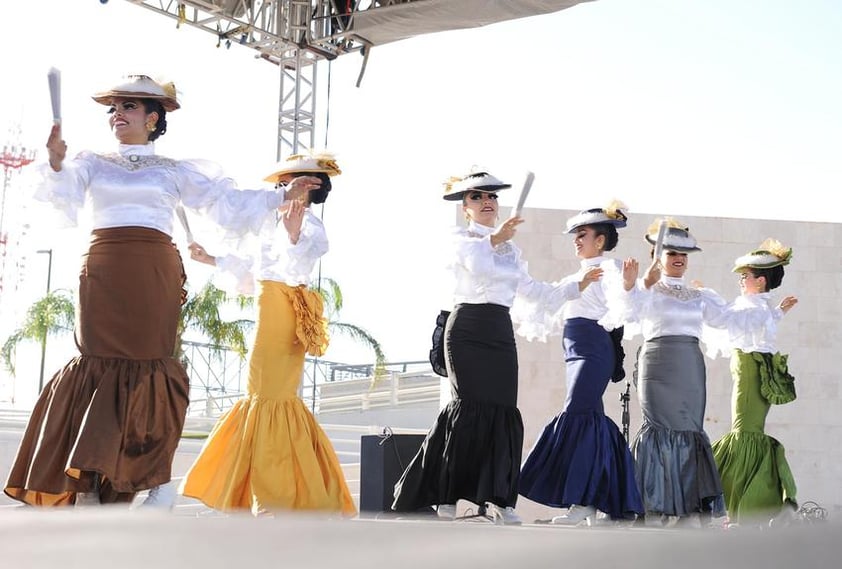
(581, 457)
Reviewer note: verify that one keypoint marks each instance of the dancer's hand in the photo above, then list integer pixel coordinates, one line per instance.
(506, 231)
(787, 303)
(56, 148)
(292, 218)
(301, 185)
(591, 276)
(631, 269)
(198, 253)
(653, 274)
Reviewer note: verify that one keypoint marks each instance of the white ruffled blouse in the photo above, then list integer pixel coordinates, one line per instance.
(279, 260)
(601, 300)
(497, 275)
(672, 308)
(136, 187)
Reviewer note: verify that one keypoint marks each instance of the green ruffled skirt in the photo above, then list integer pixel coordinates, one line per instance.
(756, 477)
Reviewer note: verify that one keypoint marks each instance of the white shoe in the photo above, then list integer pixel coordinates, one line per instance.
(503, 516)
(653, 520)
(690, 521)
(575, 515)
(446, 511)
(85, 499)
(162, 496)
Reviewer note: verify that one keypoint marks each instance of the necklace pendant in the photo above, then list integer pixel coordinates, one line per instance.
(134, 158)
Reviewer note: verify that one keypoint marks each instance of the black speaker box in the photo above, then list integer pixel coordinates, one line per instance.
(382, 462)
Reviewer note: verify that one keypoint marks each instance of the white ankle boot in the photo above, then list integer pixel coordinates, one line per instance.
(446, 511)
(503, 516)
(162, 496)
(576, 515)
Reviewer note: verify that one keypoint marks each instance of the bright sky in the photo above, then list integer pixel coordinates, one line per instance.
(705, 107)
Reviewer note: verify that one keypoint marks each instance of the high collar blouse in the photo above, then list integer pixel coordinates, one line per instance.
(497, 275)
(279, 260)
(673, 308)
(136, 187)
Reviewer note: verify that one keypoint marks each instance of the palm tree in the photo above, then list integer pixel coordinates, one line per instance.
(55, 313)
(333, 300)
(51, 315)
(201, 313)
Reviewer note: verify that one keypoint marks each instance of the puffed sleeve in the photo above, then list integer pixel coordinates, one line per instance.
(537, 305)
(740, 324)
(633, 305)
(65, 189)
(206, 190)
(301, 257)
(619, 311)
(234, 274)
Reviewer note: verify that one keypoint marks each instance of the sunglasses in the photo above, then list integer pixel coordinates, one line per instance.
(478, 196)
(675, 253)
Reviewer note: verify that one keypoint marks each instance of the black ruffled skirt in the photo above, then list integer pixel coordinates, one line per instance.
(473, 451)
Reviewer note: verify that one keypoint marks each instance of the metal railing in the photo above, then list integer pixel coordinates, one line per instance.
(218, 377)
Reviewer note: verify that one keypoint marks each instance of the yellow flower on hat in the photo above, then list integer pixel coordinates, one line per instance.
(776, 248)
(670, 221)
(616, 209)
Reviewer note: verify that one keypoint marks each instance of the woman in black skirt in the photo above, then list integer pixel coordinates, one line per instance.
(473, 451)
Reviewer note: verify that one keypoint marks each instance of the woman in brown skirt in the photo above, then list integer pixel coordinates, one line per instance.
(107, 425)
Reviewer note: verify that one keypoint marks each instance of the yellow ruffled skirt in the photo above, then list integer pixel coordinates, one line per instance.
(268, 453)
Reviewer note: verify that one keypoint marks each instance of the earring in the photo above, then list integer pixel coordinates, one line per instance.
(151, 127)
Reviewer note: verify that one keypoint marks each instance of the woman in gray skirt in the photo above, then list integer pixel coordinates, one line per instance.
(674, 464)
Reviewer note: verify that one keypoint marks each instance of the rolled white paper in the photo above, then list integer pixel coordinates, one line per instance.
(527, 185)
(54, 79)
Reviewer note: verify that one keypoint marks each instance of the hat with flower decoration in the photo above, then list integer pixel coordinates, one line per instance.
(141, 87)
(313, 163)
(456, 187)
(612, 214)
(676, 237)
(771, 253)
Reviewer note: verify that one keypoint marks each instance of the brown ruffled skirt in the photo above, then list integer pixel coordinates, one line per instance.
(111, 419)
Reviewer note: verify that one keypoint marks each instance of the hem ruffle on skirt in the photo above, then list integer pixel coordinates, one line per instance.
(582, 458)
(268, 455)
(472, 453)
(118, 418)
(756, 477)
(676, 472)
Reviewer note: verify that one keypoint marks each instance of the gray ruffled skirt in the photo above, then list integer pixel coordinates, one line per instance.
(674, 465)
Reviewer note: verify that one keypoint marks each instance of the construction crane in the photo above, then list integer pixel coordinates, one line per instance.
(296, 35)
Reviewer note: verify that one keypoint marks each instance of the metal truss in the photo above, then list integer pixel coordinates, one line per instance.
(293, 34)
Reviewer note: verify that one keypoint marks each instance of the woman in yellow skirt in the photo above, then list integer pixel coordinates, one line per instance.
(268, 453)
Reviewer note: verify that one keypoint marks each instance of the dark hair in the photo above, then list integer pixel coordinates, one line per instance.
(155, 106)
(774, 276)
(320, 195)
(610, 233)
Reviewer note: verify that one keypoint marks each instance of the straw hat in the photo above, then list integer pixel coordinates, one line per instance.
(305, 164)
(456, 187)
(141, 87)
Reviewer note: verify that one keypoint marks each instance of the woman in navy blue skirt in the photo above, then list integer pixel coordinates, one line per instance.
(581, 460)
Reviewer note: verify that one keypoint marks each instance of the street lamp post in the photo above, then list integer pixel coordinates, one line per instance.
(49, 253)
